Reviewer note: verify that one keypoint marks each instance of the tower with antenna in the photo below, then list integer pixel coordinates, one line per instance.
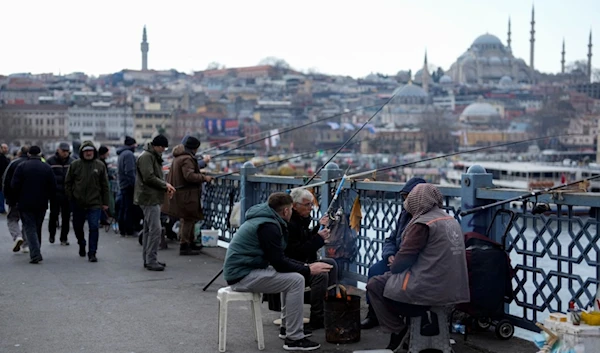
(144, 46)
(589, 65)
(562, 60)
(532, 41)
(508, 41)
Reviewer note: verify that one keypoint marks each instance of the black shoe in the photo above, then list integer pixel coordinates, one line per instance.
(154, 267)
(396, 339)
(158, 262)
(92, 257)
(64, 243)
(303, 344)
(316, 323)
(193, 246)
(282, 335)
(51, 239)
(81, 250)
(36, 259)
(370, 321)
(184, 249)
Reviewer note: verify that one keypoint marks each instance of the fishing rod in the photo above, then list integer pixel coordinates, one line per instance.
(525, 196)
(352, 176)
(228, 143)
(348, 140)
(295, 128)
(284, 159)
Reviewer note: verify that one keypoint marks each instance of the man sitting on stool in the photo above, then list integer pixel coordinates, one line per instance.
(303, 244)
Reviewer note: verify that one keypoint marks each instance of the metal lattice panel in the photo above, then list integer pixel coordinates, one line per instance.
(216, 205)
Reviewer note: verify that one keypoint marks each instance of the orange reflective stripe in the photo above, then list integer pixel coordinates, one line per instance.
(405, 283)
(438, 219)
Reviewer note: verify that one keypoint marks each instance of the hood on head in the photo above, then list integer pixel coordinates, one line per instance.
(88, 144)
(125, 148)
(178, 151)
(411, 183)
(422, 199)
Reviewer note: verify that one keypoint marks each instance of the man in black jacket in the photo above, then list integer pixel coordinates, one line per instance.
(128, 212)
(34, 185)
(60, 204)
(3, 165)
(303, 243)
(13, 217)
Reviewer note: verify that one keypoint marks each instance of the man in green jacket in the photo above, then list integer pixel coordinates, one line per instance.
(86, 186)
(255, 262)
(149, 194)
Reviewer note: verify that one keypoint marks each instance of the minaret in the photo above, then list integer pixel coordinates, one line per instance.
(562, 61)
(508, 40)
(532, 40)
(590, 58)
(144, 51)
(425, 75)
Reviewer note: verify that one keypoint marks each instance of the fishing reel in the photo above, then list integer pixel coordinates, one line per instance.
(539, 208)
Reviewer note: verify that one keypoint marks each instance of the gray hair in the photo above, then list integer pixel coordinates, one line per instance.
(299, 195)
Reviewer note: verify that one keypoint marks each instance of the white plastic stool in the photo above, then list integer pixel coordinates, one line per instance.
(226, 295)
(440, 342)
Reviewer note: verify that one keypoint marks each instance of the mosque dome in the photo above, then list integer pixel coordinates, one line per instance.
(445, 79)
(505, 81)
(410, 90)
(479, 112)
(494, 60)
(487, 39)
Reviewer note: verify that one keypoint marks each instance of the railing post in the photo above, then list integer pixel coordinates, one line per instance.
(246, 194)
(475, 177)
(330, 171)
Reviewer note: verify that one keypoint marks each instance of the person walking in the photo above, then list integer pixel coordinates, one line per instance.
(127, 173)
(149, 194)
(4, 162)
(34, 186)
(60, 204)
(86, 185)
(186, 203)
(13, 217)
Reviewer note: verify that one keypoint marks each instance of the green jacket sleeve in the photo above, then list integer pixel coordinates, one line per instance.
(146, 170)
(104, 187)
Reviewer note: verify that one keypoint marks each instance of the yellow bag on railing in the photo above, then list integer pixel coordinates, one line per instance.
(592, 318)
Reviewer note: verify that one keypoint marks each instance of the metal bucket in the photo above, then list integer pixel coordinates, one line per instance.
(342, 319)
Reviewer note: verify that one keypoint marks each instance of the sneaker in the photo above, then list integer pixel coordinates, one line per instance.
(303, 344)
(18, 243)
(158, 262)
(36, 259)
(92, 257)
(282, 335)
(154, 267)
(81, 250)
(25, 249)
(64, 243)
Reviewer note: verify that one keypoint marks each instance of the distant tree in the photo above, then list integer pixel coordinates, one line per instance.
(553, 118)
(577, 67)
(437, 74)
(215, 66)
(410, 74)
(273, 61)
(596, 75)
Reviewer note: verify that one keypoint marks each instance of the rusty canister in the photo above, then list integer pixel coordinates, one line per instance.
(342, 319)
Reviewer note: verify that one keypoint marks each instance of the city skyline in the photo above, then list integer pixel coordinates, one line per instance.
(354, 40)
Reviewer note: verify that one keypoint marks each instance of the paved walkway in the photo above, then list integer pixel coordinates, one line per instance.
(66, 304)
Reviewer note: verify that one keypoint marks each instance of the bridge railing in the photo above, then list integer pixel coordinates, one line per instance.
(556, 255)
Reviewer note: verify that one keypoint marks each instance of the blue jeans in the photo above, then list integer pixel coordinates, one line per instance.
(32, 227)
(92, 216)
(2, 207)
(378, 268)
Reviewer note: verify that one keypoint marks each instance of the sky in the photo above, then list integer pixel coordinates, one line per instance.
(333, 37)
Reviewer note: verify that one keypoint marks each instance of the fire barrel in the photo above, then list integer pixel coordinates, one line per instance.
(342, 319)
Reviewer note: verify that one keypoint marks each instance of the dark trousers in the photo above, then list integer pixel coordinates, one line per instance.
(32, 227)
(378, 268)
(318, 286)
(390, 313)
(62, 206)
(127, 212)
(92, 216)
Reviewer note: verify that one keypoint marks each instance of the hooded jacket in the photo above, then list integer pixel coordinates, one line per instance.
(392, 243)
(87, 181)
(150, 186)
(185, 176)
(33, 185)
(126, 167)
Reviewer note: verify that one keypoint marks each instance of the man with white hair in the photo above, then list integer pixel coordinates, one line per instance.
(303, 243)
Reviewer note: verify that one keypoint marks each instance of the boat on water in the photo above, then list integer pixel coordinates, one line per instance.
(528, 176)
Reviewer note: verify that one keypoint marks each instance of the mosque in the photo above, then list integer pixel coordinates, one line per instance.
(489, 61)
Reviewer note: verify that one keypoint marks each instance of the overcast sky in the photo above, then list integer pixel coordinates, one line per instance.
(334, 37)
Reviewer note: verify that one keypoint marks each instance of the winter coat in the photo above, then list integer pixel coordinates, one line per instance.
(7, 190)
(391, 245)
(126, 167)
(4, 162)
(87, 181)
(303, 241)
(185, 176)
(150, 186)
(34, 185)
(60, 167)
